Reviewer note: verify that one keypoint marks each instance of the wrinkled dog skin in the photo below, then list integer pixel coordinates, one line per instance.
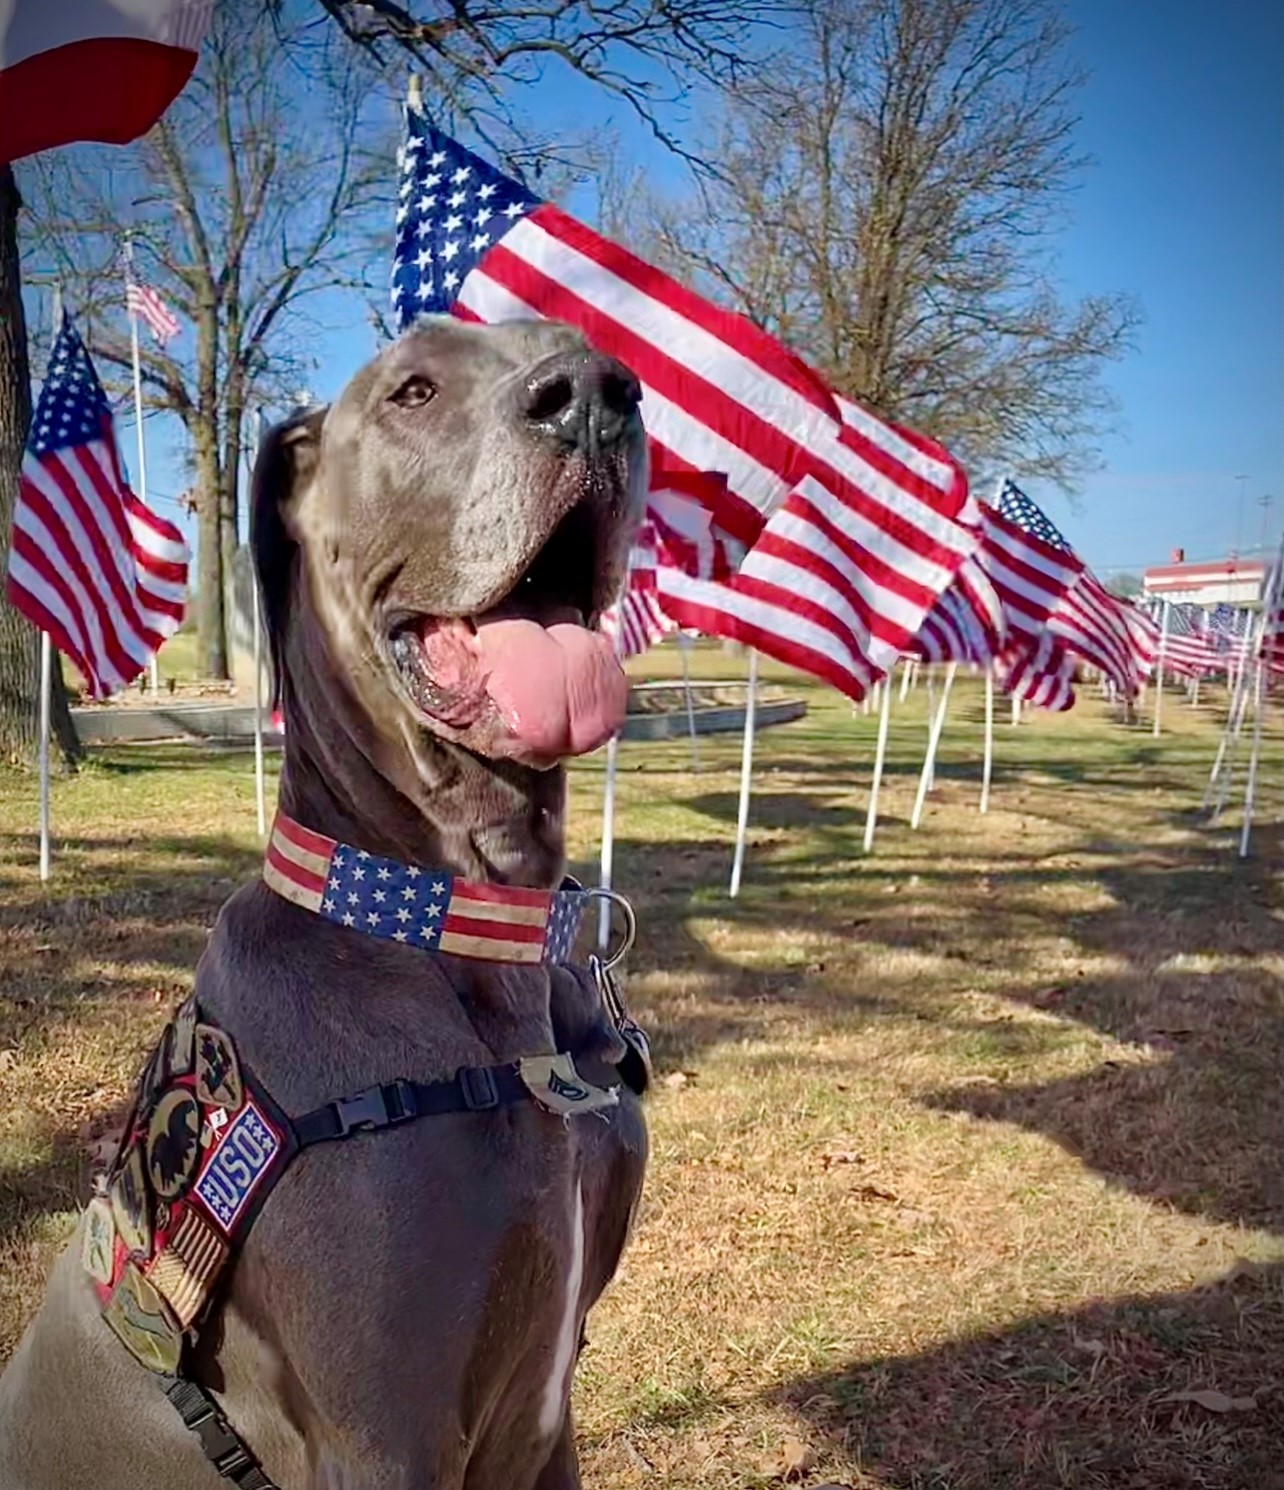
(433, 551)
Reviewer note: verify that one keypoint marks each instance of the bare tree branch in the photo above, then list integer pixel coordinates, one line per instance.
(887, 203)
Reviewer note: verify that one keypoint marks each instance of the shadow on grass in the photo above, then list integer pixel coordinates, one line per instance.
(1081, 1400)
(1192, 1122)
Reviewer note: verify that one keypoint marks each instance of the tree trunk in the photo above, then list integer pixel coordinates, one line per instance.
(19, 640)
(229, 512)
(211, 619)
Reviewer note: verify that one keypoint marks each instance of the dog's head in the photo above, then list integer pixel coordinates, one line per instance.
(453, 526)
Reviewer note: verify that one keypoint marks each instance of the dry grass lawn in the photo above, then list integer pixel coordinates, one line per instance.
(967, 1155)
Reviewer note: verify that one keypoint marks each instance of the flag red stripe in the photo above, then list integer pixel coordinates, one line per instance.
(761, 441)
(502, 894)
(863, 560)
(466, 924)
(109, 559)
(292, 871)
(304, 838)
(29, 604)
(734, 330)
(121, 662)
(786, 598)
(56, 579)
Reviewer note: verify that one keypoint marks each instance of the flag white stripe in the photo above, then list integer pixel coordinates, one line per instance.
(793, 417)
(665, 421)
(26, 578)
(747, 382)
(127, 638)
(78, 461)
(766, 617)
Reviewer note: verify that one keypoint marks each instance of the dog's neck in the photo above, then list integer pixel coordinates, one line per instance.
(421, 799)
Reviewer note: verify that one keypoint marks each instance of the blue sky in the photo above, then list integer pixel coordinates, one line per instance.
(1182, 208)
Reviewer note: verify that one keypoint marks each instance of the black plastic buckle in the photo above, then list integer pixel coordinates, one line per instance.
(370, 1109)
(477, 1083)
(220, 1444)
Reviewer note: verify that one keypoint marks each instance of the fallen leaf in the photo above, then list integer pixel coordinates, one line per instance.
(790, 1461)
(872, 1192)
(840, 1156)
(1214, 1401)
(1093, 1347)
(676, 1080)
(8, 1059)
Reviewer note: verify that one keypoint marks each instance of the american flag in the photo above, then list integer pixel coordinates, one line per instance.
(1186, 643)
(417, 905)
(90, 563)
(866, 523)
(144, 302)
(1038, 671)
(1230, 632)
(1095, 625)
(636, 622)
(967, 623)
(1029, 575)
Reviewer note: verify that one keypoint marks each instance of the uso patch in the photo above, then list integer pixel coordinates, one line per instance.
(248, 1149)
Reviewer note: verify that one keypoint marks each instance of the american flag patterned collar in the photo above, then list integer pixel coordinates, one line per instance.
(417, 905)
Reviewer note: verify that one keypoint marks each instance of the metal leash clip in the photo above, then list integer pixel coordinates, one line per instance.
(630, 925)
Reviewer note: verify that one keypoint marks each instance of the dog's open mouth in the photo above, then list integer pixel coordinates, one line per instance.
(530, 678)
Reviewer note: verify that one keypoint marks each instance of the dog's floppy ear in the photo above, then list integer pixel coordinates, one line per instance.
(286, 464)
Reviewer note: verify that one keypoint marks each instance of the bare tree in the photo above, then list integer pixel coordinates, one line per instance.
(476, 58)
(887, 201)
(238, 213)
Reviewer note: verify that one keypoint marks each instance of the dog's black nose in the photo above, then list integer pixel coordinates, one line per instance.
(581, 399)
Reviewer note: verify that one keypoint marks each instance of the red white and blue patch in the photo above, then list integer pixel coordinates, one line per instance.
(419, 906)
(244, 1153)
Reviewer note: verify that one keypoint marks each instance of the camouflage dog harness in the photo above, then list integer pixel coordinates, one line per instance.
(202, 1150)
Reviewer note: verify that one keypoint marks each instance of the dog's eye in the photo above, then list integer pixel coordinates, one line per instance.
(414, 393)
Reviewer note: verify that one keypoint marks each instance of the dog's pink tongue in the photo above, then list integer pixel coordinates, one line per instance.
(558, 688)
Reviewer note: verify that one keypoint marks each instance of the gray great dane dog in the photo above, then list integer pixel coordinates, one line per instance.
(406, 1311)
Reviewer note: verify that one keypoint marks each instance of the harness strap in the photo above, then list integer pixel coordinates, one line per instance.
(224, 1447)
(472, 1089)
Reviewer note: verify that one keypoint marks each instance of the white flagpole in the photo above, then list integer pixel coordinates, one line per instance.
(987, 766)
(1016, 710)
(1228, 749)
(907, 673)
(880, 755)
(684, 646)
(1250, 790)
(926, 775)
(1270, 599)
(1159, 666)
(138, 411)
(607, 858)
(46, 692)
(45, 707)
(746, 776)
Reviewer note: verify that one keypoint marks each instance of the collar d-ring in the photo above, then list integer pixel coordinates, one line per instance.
(630, 924)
